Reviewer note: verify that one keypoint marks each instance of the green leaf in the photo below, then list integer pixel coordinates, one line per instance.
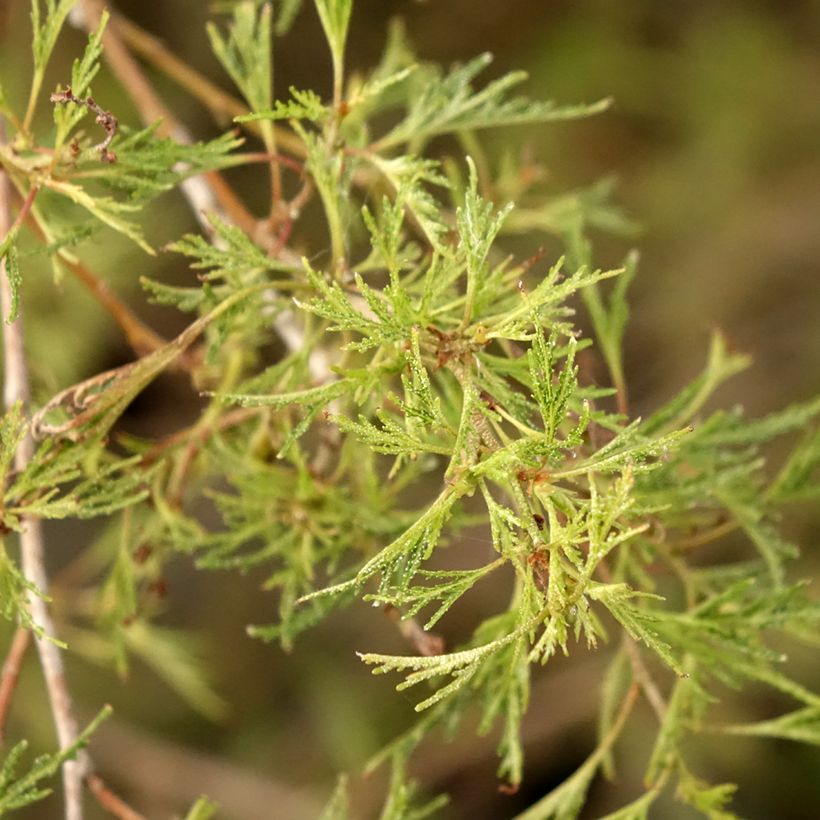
(707, 799)
(91, 407)
(639, 623)
(246, 52)
(203, 809)
(338, 807)
(18, 791)
(802, 725)
(321, 395)
(449, 104)
(305, 105)
(46, 29)
(335, 17)
(11, 269)
(106, 209)
(460, 666)
(14, 594)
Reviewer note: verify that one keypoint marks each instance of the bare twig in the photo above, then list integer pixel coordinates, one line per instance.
(110, 801)
(104, 118)
(140, 336)
(32, 551)
(11, 673)
(425, 643)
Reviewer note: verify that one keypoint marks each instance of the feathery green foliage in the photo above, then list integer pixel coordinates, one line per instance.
(21, 790)
(428, 381)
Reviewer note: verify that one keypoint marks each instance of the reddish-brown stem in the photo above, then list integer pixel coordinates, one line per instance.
(426, 644)
(110, 801)
(141, 337)
(234, 208)
(181, 436)
(621, 399)
(11, 673)
(705, 537)
(25, 208)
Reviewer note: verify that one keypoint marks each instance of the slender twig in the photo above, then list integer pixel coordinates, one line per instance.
(705, 537)
(32, 549)
(139, 335)
(644, 678)
(198, 435)
(11, 673)
(25, 208)
(105, 119)
(640, 671)
(110, 801)
(426, 644)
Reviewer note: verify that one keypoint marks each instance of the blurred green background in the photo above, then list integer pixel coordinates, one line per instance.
(713, 140)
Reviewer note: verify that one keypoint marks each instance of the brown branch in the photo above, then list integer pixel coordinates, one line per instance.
(426, 644)
(139, 335)
(11, 673)
(109, 801)
(25, 208)
(705, 537)
(32, 548)
(182, 436)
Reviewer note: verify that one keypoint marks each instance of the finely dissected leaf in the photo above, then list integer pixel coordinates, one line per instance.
(403, 326)
(401, 800)
(449, 104)
(798, 477)
(461, 666)
(411, 178)
(16, 792)
(246, 52)
(304, 105)
(14, 593)
(321, 395)
(106, 209)
(203, 809)
(335, 17)
(444, 587)
(802, 725)
(639, 623)
(707, 799)
(11, 269)
(147, 165)
(46, 28)
(721, 365)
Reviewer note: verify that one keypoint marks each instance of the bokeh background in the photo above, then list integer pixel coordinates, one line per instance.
(713, 141)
